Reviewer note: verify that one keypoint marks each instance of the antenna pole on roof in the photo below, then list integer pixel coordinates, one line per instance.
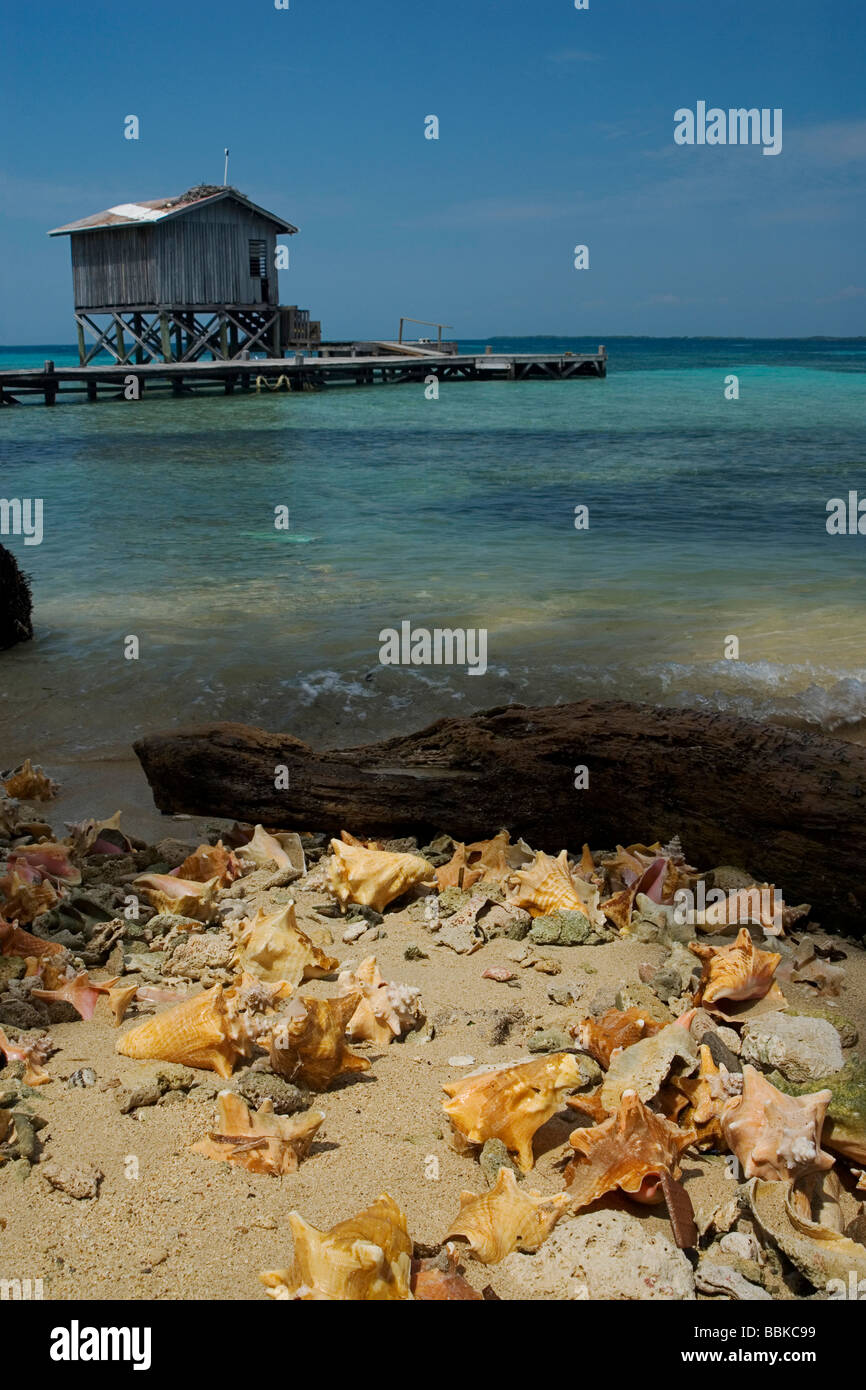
(226, 173)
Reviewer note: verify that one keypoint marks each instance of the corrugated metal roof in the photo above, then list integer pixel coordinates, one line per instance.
(160, 210)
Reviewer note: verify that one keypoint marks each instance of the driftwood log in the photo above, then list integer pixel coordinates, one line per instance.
(787, 806)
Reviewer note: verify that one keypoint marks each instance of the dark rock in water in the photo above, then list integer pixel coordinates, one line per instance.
(16, 604)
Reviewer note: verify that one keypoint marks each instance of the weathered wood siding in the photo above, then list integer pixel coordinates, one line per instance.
(201, 257)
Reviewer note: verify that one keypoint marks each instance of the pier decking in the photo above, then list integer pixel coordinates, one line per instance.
(356, 364)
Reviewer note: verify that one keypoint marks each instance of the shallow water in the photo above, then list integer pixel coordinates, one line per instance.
(707, 520)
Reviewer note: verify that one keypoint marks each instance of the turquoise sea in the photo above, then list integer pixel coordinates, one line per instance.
(706, 521)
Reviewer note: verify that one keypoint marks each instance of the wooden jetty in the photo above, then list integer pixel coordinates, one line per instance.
(388, 366)
(182, 294)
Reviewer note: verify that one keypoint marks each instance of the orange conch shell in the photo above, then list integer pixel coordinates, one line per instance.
(199, 1032)
(512, 1102)
(629, 1151)
(436, 1280)
(375, 877)
(385, 1011)
(365, 1259)
(273, 947)
(506, 1218)
(15, 941)
(209, 862)
(774, 1135)
(458, 873)
(700, 1101)
(22, 900)
(183, 897)
(29, 783)
(603, 1037)
(307, 1044)
(550, 885)
(259, 1140)
(739, 971)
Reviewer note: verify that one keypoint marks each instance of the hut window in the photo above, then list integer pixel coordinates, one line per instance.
(258, 256)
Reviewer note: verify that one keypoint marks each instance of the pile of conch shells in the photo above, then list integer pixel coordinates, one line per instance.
(626, 1111)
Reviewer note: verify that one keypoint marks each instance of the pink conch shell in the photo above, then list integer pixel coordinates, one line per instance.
(32, 1053)
(273, 947)
(774, 1135)
(385, 1011)
(46, 860)
(512, 1102)
(119, 999)
(259, 1141)
(81, 992)
(374, 878)
(629, 1151)
(506, 1218)
(98, 836)
(182, 897)
(736, 972)
(550, 885)
(365, 1259)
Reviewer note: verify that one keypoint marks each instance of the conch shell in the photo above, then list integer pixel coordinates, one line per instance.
(79, 991)
(199, 1032)
(48, 859)
(506, 1218)
(630, 1151)
(90, 837)
(183, 897)
(29, 783)
(549, 885)
(604, 1037)
(375, 877)
(458, 873)
(512, 1102)
(15, 941)
(365, 1259)
(259, 1141)
(488, 861)
(759, 904)
(22, 900)
(775, 1136)
(273, 947)
(208, 862)
(703, 1099)
(307, 1044)
(32, 1053)
(739, 971)
(645, 1066)
(437, 1280)
(264, 849)
(385, 1011)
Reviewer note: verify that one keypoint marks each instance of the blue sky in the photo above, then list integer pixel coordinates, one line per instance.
(556, 128)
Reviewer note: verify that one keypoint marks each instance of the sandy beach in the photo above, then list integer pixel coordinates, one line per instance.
(170, 1224)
